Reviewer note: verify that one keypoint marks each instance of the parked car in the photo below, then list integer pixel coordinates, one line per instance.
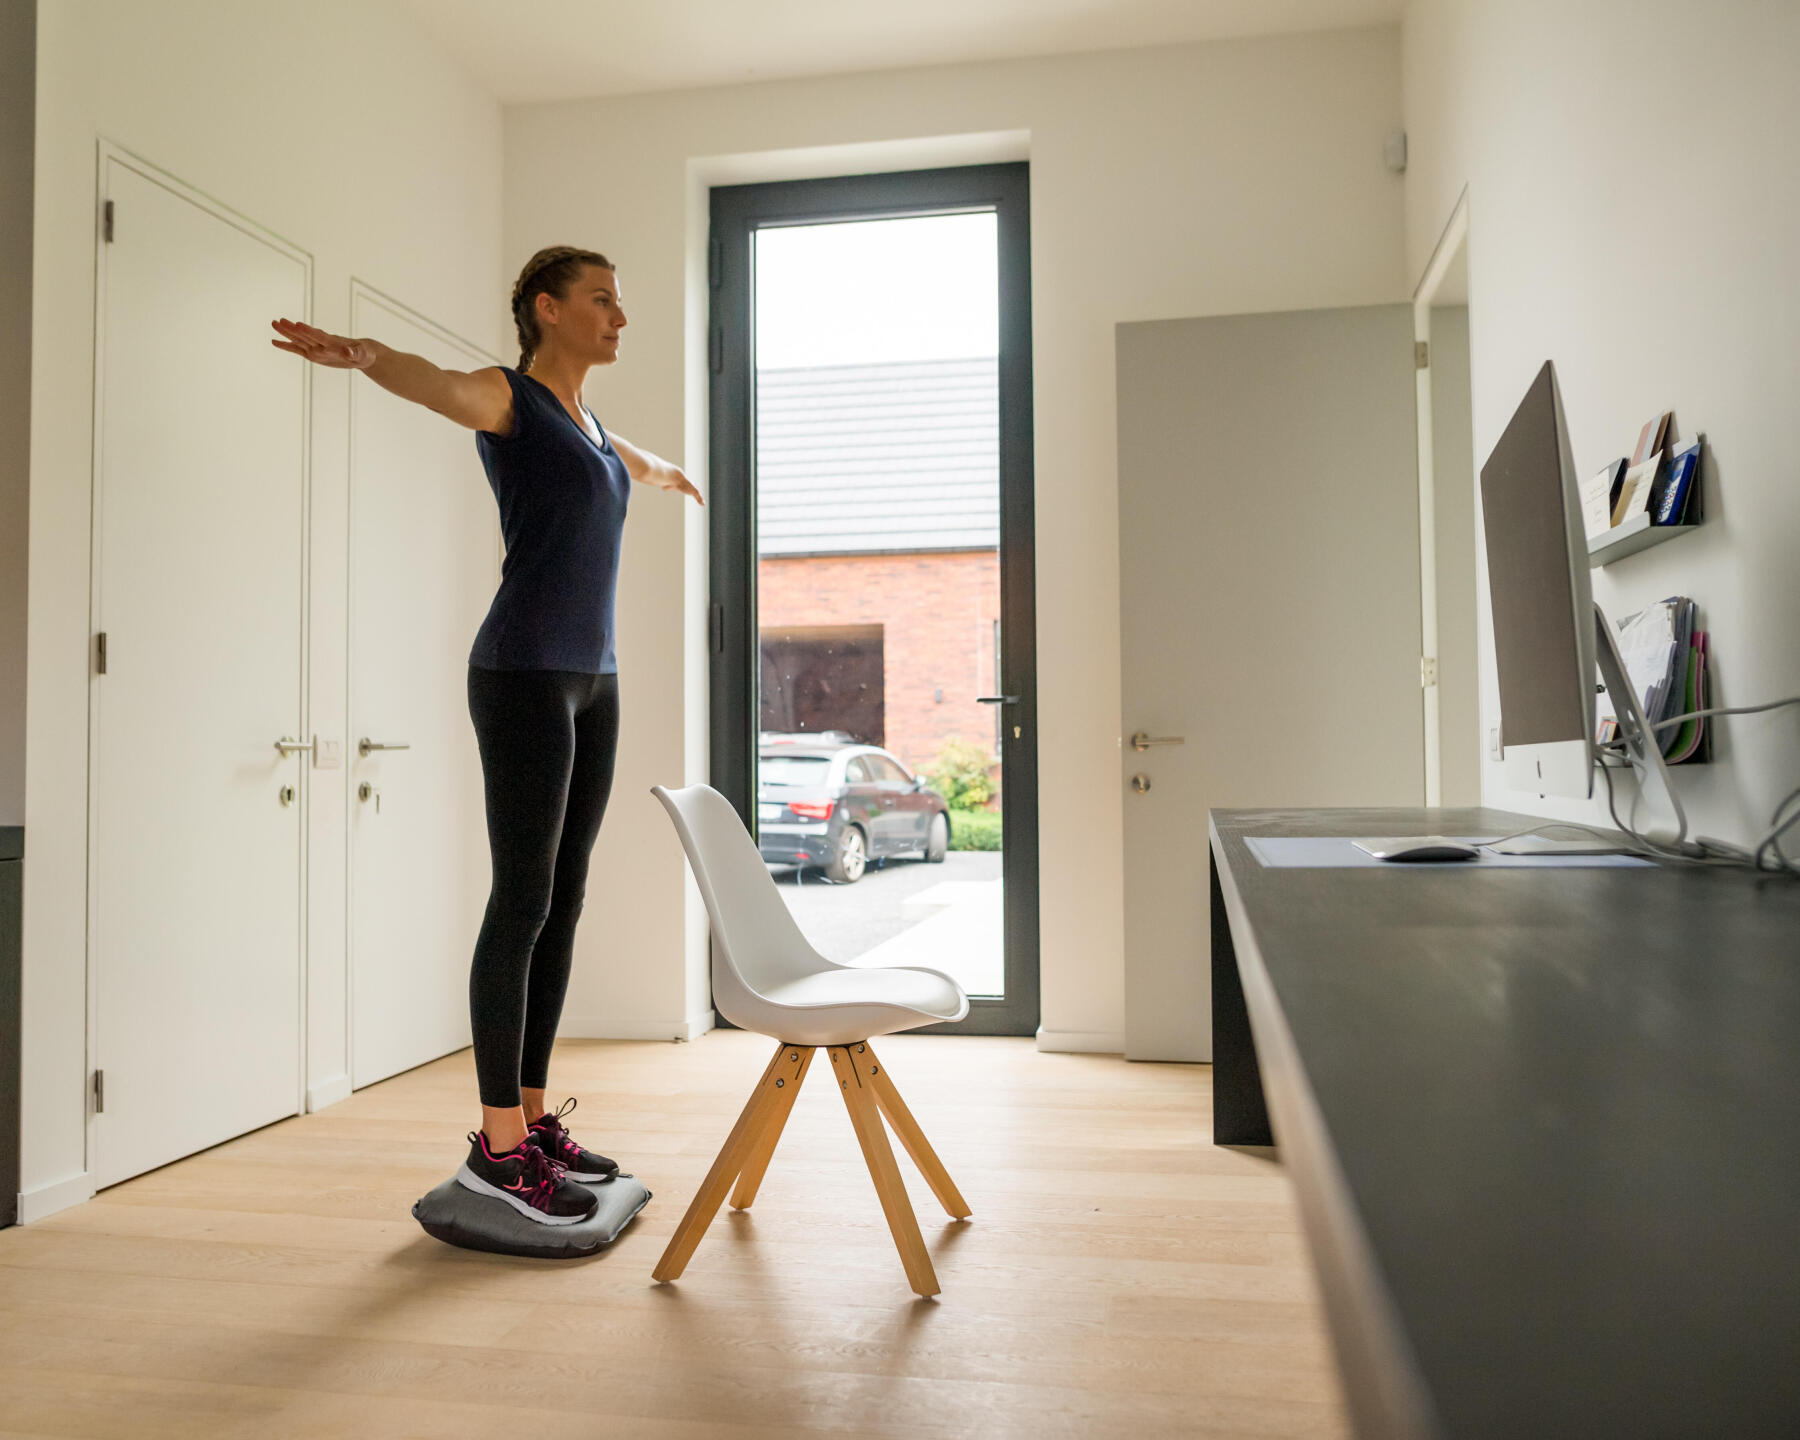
(823, 800)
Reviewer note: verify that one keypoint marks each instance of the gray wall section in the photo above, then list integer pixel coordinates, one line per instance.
(18, 130)
(1453, 470)
(18, 105)
(1269, 606)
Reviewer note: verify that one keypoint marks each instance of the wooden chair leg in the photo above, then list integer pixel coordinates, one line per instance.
(913, 1138)
(750, 1179)
(855, 1085)
(783, 1073)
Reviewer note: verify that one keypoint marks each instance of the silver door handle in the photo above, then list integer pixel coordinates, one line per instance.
(289, 746)
(996, 699)
(1141, 741)
(365, 745)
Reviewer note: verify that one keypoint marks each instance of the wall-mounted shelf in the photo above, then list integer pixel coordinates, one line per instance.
(1634, 535)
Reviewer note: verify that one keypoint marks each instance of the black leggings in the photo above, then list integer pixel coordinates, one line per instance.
(548, 741)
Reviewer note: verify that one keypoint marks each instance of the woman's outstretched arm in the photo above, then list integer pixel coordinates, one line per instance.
(652, 469)
(480, 399)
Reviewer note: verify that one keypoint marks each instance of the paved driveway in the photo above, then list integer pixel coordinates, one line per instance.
(946, 916)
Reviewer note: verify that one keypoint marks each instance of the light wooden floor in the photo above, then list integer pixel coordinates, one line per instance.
(1121, 1276)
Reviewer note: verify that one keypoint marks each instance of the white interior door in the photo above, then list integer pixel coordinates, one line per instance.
(1269, 608)
(425, 559)
(200, 541)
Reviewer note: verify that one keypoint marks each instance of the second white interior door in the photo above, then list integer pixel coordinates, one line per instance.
(424, 563)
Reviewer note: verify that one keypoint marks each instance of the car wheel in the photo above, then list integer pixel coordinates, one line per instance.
(939, 841)
(851, 858)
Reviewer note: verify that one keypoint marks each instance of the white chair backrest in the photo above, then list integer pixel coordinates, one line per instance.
(756, 935)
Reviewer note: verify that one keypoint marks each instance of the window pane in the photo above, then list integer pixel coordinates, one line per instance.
(877, 522)
(795, 769)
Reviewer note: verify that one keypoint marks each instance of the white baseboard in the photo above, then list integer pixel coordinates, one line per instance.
(579, 1027)
(1081, 1042)
(328, 1093)
(60, 1195)
(699, 1024)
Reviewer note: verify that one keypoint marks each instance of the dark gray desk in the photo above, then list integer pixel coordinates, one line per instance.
(1544, 1126)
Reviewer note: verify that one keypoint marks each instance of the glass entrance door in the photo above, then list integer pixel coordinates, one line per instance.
(871, 484)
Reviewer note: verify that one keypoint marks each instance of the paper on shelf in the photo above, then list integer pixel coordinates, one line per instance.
(1596, 500)
(1634, 494)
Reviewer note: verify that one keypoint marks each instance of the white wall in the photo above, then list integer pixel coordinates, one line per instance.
(344, 129)
(18, 60)
(1192, 180)
(1634, 215)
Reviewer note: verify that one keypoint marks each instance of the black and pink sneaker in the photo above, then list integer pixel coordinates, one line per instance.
(526, 1179)
(547, 1133)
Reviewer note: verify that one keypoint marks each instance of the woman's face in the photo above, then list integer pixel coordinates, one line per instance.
(588, 320)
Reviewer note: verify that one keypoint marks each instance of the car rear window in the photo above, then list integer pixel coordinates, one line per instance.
(794, 769)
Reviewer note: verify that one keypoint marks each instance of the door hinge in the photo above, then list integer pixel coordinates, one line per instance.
(100, 653)
(1427, 671)
(1421, 355)
(716, 628)
(716, 350)
(106, 223)
(99, 1092)
(715, 262)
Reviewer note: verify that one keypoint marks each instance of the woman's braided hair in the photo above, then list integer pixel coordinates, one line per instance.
(549, 272)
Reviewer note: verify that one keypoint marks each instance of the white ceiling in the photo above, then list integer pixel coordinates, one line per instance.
(567, 49)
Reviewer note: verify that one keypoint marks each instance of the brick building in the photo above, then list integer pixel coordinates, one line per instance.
(878, 532)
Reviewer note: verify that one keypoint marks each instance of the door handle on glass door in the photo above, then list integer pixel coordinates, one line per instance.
(1142, 741)
(365, 745)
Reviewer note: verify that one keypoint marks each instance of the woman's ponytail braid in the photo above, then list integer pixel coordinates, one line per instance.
(549, 272)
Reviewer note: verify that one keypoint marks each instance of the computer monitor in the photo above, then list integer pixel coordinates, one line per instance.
(1543, 607)
(1549, 635)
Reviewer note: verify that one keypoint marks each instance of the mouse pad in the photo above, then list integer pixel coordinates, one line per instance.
(458, 1216)
(1336, 852)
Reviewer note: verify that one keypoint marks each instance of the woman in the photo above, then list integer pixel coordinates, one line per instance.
(543, 689)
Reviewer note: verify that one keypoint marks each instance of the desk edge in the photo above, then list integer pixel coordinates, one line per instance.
(1381, 1376)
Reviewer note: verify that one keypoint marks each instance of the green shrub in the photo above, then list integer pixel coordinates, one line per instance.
(961, 774)
(975, 829)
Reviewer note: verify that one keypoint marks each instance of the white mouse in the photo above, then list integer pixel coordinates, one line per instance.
(1417, 847)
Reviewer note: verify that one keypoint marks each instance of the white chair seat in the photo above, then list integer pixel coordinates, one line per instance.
(837, 1007)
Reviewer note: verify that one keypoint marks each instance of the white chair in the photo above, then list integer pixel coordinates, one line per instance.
(767, 978)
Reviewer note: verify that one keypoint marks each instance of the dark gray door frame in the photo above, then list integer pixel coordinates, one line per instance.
(12, 871)
(738, 211)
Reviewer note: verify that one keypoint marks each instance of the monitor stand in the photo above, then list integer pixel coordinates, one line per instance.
(1640, 745)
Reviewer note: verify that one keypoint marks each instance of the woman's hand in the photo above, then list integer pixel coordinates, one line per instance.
(677, 480)
(337, 352)
(650, 469)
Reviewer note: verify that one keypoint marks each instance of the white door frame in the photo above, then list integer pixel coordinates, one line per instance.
(109, 151)
(362, 293)
(1454, 236)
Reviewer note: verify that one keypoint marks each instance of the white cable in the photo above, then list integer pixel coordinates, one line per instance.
(1698, 853)
(1715, 852)
(1772, 840)
(1674, 720)
(1608, 837)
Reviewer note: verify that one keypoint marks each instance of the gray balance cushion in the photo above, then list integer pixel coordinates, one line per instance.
(456, 1215)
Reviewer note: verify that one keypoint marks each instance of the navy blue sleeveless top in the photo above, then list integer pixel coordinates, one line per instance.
(562, 512)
